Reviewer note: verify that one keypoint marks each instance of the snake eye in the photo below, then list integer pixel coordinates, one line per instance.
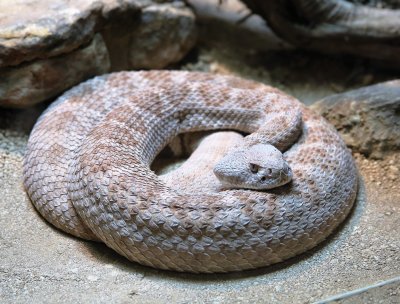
(269, 170)
(253, 168)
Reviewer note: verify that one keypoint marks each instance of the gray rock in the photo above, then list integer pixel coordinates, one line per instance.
(32, 29)
(33, 82)
(165, 33)
(42, 43)
(368, 118)
(223, 23)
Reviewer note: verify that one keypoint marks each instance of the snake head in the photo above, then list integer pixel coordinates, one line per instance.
(257, 167)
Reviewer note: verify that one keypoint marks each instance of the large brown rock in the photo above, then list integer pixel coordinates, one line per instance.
(368, 118)
(38, 37)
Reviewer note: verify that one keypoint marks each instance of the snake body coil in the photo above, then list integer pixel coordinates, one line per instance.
(87, 172)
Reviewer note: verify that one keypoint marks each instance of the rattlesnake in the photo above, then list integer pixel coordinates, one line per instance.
(86, 170)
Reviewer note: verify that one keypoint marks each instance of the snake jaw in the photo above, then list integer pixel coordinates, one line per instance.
(259, 167)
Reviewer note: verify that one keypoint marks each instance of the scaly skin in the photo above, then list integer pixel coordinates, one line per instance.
(86, 170)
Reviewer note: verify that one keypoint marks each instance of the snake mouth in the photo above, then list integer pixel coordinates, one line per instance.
(279, 177)
(285, 175)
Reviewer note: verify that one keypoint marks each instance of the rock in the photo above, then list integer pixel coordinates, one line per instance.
(33, 82)
(335, 27)
(393, 172)
(40, 29)
(227, 22)
(368, 118)
(38, 37)
(165, 33)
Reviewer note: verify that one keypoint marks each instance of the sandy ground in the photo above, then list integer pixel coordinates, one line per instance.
(39, 264)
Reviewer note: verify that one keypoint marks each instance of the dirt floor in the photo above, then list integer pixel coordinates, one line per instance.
(39, 264)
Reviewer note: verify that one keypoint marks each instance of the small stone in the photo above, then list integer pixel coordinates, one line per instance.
(92, 278)
(394, 170)
(355, 119)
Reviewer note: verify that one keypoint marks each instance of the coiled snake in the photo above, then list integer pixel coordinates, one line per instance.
(87, 171)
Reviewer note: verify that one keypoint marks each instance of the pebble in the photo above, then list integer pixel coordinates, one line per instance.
(92, 278)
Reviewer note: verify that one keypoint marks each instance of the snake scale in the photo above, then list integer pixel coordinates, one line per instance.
(87, 171)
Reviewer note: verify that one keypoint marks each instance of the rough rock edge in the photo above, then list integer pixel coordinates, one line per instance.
(368, 118)
(161, 35)
(46, 37)
(34, 82)
(164, 34)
